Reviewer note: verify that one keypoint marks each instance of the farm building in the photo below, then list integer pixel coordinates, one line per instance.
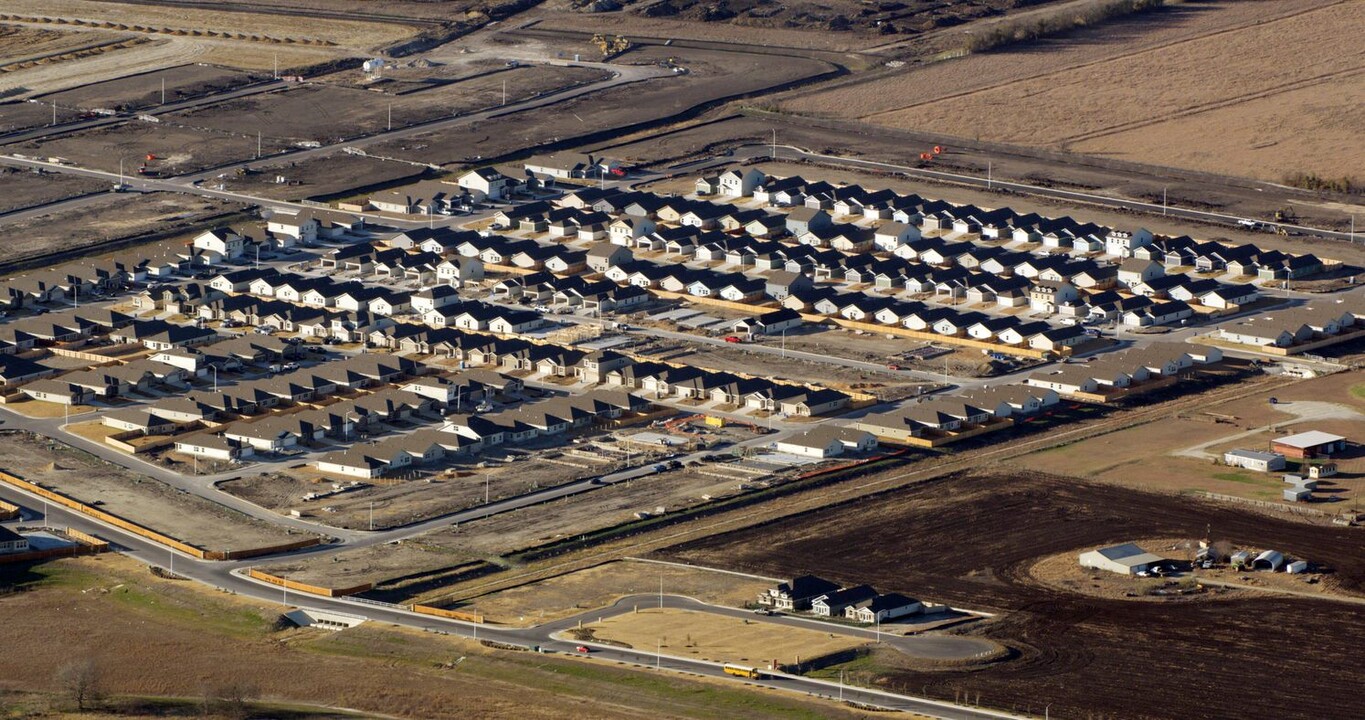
(1253, 460)
(1126, 559)
(1307, 445)
(1269, 560)
(1297, 493)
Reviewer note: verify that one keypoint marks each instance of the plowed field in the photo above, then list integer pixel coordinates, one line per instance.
(970, 540)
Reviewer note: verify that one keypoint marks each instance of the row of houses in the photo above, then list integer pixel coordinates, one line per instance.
(1125, 369)
(860, 603)
(468, 434)
(1323, 320)
(938, 416)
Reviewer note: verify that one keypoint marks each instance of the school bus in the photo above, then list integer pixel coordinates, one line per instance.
(742, 671)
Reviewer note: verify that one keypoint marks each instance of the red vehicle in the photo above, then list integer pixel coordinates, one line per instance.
(732, 339)
(583, 649)
(893, 366)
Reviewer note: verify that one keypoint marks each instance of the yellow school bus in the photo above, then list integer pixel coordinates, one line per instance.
(742, 671)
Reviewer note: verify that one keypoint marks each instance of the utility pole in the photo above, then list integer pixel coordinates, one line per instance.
(390, 116)
(661, 591)
(989, 169)
(371, 516)
(163, 91)
(841, 686)
(54, 113)
(258, 144)
(1163, 201)
(774, 150)
(485, 488)
(504, 91)
(276, 73)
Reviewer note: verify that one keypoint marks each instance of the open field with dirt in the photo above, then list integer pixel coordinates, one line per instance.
(115, 216)
(1176, 455)
(21, 44)
(24, 188)
(711, 75)
(162, 36)
(969, 541)
(19, 115)
(101, 608)
(134, 497)
(178, 149)
(1078, 93)
(338, 174)
(603, 585)
(329, 113)
(144, 90)
(716, 638)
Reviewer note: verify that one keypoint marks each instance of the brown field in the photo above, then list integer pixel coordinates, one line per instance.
(600, 586)
(329, 113)
(134, 497)
(21, 43)
(713, 74)
(22, 115)
(144, 90)
(114, 216)
(24, 188)
(717, 638)
(970, 541)
(102, 607)
(178, 150)
(1079, 93)
(321, 176)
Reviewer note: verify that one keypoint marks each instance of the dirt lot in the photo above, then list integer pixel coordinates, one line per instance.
(112, 217)
(21, 188)
(736, 359)
(716, 638)
(178, 149)
(1081, 91)
(101, 608)
(332, 175)
(134, 497)
(913, 541)
(712, 74)
(330, 113)
(411, 501)
(144, 90)
(602, 585)
(1176, 454)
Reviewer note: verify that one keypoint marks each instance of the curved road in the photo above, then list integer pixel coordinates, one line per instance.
(230, 576)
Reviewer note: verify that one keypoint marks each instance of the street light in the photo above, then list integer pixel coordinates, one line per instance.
(214, 368)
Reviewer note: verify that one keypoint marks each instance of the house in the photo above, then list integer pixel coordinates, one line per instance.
(1126, 559)
(12, 542)
(797, 594)
(882, 608)
(1309, 445)
(834, 604)
(487, 184)
(827, 441)
(772, 323)
(211, 447)
(434, 298)
(740, 182)
(803, 220)
(132, 419)
(625, 230)
(1054, 339)
(219, 244)
(59, 392)
(1254, 460)
(604, 256)
(1047, 295)
(1122, 244)
(781, 283)
(1133, 272)
(571, 166)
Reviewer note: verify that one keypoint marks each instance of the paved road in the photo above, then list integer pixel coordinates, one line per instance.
(787, 152)
(229, 576)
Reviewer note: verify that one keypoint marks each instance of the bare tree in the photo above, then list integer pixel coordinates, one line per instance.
(80, 681)
(236, 699)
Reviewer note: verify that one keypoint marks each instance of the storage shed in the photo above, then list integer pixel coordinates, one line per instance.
(1296, 567)
(1297, 494)
(1126, 559)
(1268, 560)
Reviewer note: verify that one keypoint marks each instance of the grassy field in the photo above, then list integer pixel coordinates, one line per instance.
(715, 638)
(102, 608)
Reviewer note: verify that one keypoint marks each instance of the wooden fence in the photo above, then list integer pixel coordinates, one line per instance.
(306, 588)
(442, 612)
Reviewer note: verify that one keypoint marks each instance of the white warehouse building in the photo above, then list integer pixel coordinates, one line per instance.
(1126, 559)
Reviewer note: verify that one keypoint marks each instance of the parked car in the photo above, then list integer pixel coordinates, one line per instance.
(733, 339)
(583, 649)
